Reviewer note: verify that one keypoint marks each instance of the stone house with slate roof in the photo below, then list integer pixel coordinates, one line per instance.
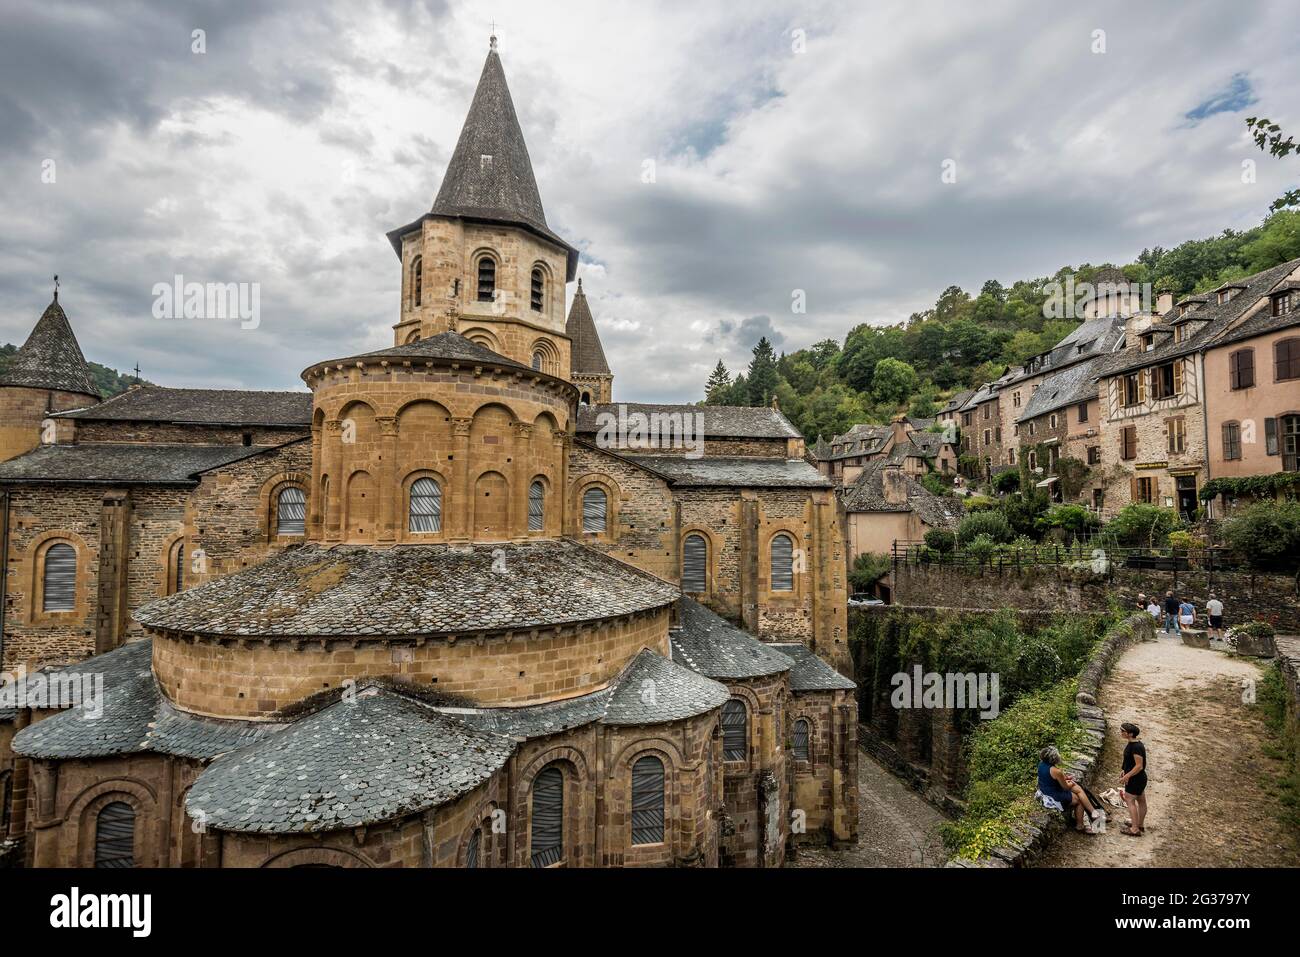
(904, 442)
(428, 614)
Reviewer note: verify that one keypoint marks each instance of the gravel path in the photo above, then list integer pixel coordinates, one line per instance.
(897, 827)
(1211, 800)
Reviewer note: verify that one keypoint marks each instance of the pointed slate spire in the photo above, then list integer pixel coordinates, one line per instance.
(490, 176)
(51, 358)
(586, 356)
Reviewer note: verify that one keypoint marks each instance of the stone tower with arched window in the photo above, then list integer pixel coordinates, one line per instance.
(589, 369)
(483, 262)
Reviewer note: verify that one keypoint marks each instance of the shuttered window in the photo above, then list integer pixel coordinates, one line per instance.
(60, 593)
(475, 847)
(536, 507)
(1231, 440)
(1128, 442)
(1291, 443)
(735, 731)
(178, 566)
(1241, 368)
(695, 559)
(783, 563)
(548, 818)
(426, 506)
(799, 742)
(115, 836)
(648, 801)
(291, 512)
(538, 292)
(1286, 360)
(417, 281)
(487, 278)
(594, 507)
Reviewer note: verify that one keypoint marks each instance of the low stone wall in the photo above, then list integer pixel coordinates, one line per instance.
(1246, 596)
(1045, 826)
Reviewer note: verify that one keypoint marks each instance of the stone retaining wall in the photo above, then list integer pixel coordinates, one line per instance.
(1045, 826)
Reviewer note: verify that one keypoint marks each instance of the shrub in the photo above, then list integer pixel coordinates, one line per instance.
(992, 525)
(1266, 534)
(935, 483)
(941, 540)
(982, 548)
(1008, 481)
(868, 568)
(1074, 519)
(1185, 541)
(1142, 525)
(1024, 510)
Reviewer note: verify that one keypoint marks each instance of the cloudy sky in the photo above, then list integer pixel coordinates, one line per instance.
(794, 147)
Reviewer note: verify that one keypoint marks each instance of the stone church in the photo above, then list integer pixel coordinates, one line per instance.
(428, 613)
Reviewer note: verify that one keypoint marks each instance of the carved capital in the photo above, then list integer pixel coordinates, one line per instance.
(387, 425)
(461, 426)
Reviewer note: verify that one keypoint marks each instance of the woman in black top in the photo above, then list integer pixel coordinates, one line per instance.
(1133, 779)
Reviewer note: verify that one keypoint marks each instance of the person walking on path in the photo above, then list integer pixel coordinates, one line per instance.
(1214, 609)
(1171, 615)
(1133, 779)
(1186, 613)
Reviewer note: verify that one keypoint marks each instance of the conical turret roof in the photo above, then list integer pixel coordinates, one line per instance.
(587, 356)
(51, 358)
(490, 176)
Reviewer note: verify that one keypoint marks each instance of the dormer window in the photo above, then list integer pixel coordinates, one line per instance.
(1148, 342)
(1281, 304)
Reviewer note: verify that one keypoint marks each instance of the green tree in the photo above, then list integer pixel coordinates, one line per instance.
(718, 389)
(763, 377)
(894, 381)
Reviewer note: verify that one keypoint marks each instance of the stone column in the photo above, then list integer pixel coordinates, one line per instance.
(114, 562)
(560, 497)
(462, 495)
(332, 456)
(315, 517)
(523, 450)
(386, 479)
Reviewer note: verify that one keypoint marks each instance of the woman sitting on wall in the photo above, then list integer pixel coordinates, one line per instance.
(1058, 790)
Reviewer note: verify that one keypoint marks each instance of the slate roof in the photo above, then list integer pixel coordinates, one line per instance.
(712, 646)
(125, 464)
(411, 590)
(375, 758)
(490, 175)
(720, 421)
(733, 471)
(1216, 321)
(810, 672)
(1263, 321)
(133, 717)
(586, 355)
(651, 689)
(153, 403)
(821, 449)
(1066, 387)
(51, 357)
(867, 494)
(445, 346)
(957, 400)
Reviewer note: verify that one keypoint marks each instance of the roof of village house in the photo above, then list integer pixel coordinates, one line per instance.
(810, 672)
(490, 175)
(51, 357)
(311, 590)
(122, 464)
(445, 346)
(376, 757)
(1263, 321)
(821, 449)
(732, 471)
(979, 396)
(867, 494)
(862, 439)
(234, 407)
(709, 644)
(1068, 386)
(586, 355)
(920, 423)
(720, 421)
(1215, 320)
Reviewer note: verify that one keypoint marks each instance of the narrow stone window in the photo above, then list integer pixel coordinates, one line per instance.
(548, 817)
(538, 291)
(60, 591)
(426, 506)
(177, 564)
(695, 562)
(783, 563)
(115, 836)
(799, 740)
(475, 848)
(735, 731)
(417, 281)
(648, 801)
(595, 508)
(487, 279)
(536, 507)
(291, 511)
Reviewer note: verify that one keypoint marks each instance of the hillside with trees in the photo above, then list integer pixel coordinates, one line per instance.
(965, 340)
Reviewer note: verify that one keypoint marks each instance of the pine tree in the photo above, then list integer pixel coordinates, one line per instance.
(763, 376)
(718, 389)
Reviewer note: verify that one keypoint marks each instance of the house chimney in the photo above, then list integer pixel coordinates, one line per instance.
(894, 483)
(1164, 302)
(899, 428)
